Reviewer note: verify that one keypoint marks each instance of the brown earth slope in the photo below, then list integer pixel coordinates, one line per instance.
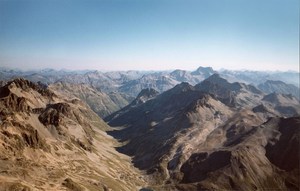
(51, 143)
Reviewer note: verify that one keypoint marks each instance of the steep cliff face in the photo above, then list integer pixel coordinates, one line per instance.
(52, 143)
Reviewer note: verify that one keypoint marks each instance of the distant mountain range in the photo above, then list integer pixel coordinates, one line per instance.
(132, 82)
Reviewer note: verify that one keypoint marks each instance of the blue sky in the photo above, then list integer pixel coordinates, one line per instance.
(149, 34)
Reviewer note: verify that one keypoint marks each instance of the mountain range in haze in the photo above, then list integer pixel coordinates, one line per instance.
(132, 130)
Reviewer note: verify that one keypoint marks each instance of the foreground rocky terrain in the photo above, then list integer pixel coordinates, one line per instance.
(213, 136)
(48, 142)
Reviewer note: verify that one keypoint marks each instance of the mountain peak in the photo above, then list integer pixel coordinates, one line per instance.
(205, 71)
(148, 92)
(22, 83)
(228, 92)
(11, 95)
(27, 85)
(145, 95)
(217, 79)
(183, 86)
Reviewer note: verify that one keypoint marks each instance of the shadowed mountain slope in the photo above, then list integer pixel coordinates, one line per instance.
(214, 136)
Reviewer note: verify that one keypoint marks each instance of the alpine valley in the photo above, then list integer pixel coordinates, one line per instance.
(142, 130)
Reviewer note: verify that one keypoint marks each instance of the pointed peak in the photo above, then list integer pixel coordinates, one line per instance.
(216, 78)
(148, 92)
(184, 86)
(144, 95)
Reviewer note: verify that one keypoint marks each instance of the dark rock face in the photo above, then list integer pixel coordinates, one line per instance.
(63, 108)
(260, 108)
(54, 113)
(4, 92)
(33, 139)
(14, 102)
(9, 100)
(199, 165)
(284, 151)
(50, 117)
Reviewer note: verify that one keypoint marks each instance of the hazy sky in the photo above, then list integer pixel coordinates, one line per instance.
(149, 34)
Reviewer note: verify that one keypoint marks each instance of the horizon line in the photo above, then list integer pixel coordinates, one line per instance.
(138, 70)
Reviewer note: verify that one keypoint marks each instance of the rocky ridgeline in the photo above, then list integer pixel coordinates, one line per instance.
(52, 114)
(27, 85)
(216, 135)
